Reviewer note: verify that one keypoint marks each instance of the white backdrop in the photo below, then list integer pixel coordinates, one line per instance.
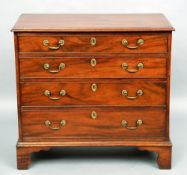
(176, 12)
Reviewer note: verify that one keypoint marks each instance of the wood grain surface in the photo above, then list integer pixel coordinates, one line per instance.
(107, 43)
(106, 67)
(80, 124)
(78, 76)
(107, 93)
(91, 22)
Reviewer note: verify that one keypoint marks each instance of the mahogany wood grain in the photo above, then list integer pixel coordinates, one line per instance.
(106, 67)
(24, 155)
(163, 149)
(17, 67)
(86, 54)
(168, 84)
(107, 93)
(96, 142)
(92, 22)
(164, 155)
(80, 124)
(76, 106)
(107, 43)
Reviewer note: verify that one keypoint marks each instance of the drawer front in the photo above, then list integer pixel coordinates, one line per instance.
(96, 92)
(79, 123)
(93, 67)
(107, 43)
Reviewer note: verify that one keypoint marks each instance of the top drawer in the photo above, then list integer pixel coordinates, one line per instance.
(89, 43)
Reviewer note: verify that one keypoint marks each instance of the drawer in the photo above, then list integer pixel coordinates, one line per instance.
(107, 43)
(80, 123)
(93, 67)
(94, 92)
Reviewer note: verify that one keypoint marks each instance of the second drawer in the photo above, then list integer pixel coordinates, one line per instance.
(94, 67)
(94, 92)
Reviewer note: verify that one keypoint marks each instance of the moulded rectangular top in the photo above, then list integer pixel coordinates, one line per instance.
(91, 23)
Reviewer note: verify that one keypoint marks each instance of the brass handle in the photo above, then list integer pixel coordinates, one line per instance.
(47, 93)
(49, 124)
(94, 87)
(124, 123)
(138, 43)
(93, 115)
(93, 62)
(60, 43)
(93, 41)
(138, 67)
(61, 66)
(138, 93)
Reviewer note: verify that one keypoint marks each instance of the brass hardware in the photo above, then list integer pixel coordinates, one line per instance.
(138, 93)
(94, 115)
(138, 67)
(49, 124)
(124, 123)
(93, 62)
(93, 41)
(94, 87)
(61, 66)
(60, 43)
(62, 93)
(47, 93)
(138, 43)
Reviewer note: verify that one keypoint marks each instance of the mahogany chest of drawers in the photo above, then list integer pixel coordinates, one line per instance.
(93, 80)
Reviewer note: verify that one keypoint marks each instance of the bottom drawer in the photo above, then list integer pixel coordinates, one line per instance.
(94, 123)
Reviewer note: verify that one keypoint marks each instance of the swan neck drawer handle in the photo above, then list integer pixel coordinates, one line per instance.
(47, 66)
(138, 43)
(139, 66)
(50, 125)
(48, 94)
(124, 123)
(60, 43)
(138, 93)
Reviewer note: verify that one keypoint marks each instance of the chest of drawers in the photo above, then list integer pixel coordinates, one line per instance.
(93, 80)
